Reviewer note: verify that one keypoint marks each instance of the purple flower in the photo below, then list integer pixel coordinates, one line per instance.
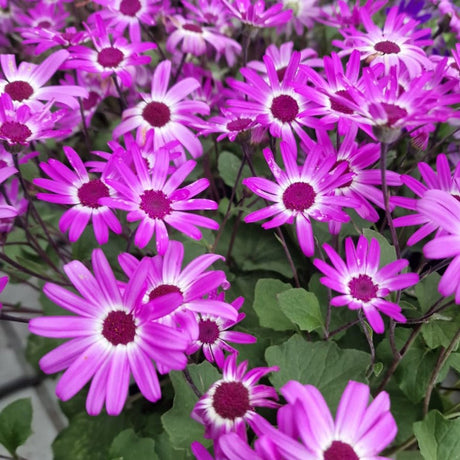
(308, 431)
(25, 84)
(301, 193)
(156, 200)
(362, 283)
(76, 188)
(166, 112)
(12, 204)
(229, 403)
(111, 338)
(441, 207)
(443, 180)
(3, 282)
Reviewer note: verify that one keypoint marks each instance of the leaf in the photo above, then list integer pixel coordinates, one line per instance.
(165, 451)
(409, 455)
(15, 424)
(177, 422)
(427, 292)
(322, 364)
(302, 308)
(228, 165)
(87, 437)
(128, 446)
(438, 437)
(440, 332)
(387, 251)
(266, 304)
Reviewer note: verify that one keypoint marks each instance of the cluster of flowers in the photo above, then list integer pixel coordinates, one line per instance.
(382, 84)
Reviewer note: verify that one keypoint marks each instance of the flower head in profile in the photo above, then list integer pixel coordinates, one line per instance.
(111, 338)
(82, 192)
(230, 402)
(301, 193)
(167, 112)
(362, 284)
(154, 199)
(308, 431)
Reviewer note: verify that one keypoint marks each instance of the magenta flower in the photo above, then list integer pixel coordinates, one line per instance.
(156, 200)
(229, 403)
(255, 14)
(362, 284)
(443, 208)
(191, 284)
(166, 112)
(360, 431)
(301, 193)
(25, 84)
(214, 334)
(43, 15)
(443, 180)
(12, 204)
(20, 126)
(111, 338)
(83, 193)
(398, 44)
(304, 15)
(3, 282)
(276, 104)
(111, 56)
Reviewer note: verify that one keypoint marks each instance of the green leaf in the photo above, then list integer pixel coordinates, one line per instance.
(440, 331)
(438, 437)
(266, 304)
(15, 424)
(409, 455)
(387, 251)
(322, 364)
(302, 308)
(128, 446)
(166, 451)
(181, 428)
(228, 165)
(87, 437)
(427, 292)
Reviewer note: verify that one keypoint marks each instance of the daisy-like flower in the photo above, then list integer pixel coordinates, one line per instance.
(11, 204)
(166, 112)
(156, 200)
(42, 15)
(442, 207)
(20, 126)
(229, 403)
(443, 180)
(111, 338)
(398, 44)
(301, 193)
(229, 125)
(255, 14)
(25, 84)
(214, 334)
(82, 192)
(276, 104)
(360, 430)
(195, 38)
(165, 275)
(362, 283)
(111, 56)
(304, 14)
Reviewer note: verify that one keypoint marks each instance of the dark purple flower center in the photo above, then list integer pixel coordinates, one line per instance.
(157, 114)
(119, 328)
(209, 331)
(394, 112)
(239, 124)
(299, 196)
(91, 100)
(15, 132)
(284, 108)
(281, 72)
(338, 450)
(387, 47)
(231, 400)
(155, 204)
(362, 288)
(3, 164)
(193, 28)
(130, 7)
(19, 90)
(89, 193)
(44, 24)
(162, 290)
(339, 106)
(109, 57)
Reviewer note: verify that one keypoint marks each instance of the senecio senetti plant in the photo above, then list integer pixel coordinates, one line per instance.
(240, 224)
